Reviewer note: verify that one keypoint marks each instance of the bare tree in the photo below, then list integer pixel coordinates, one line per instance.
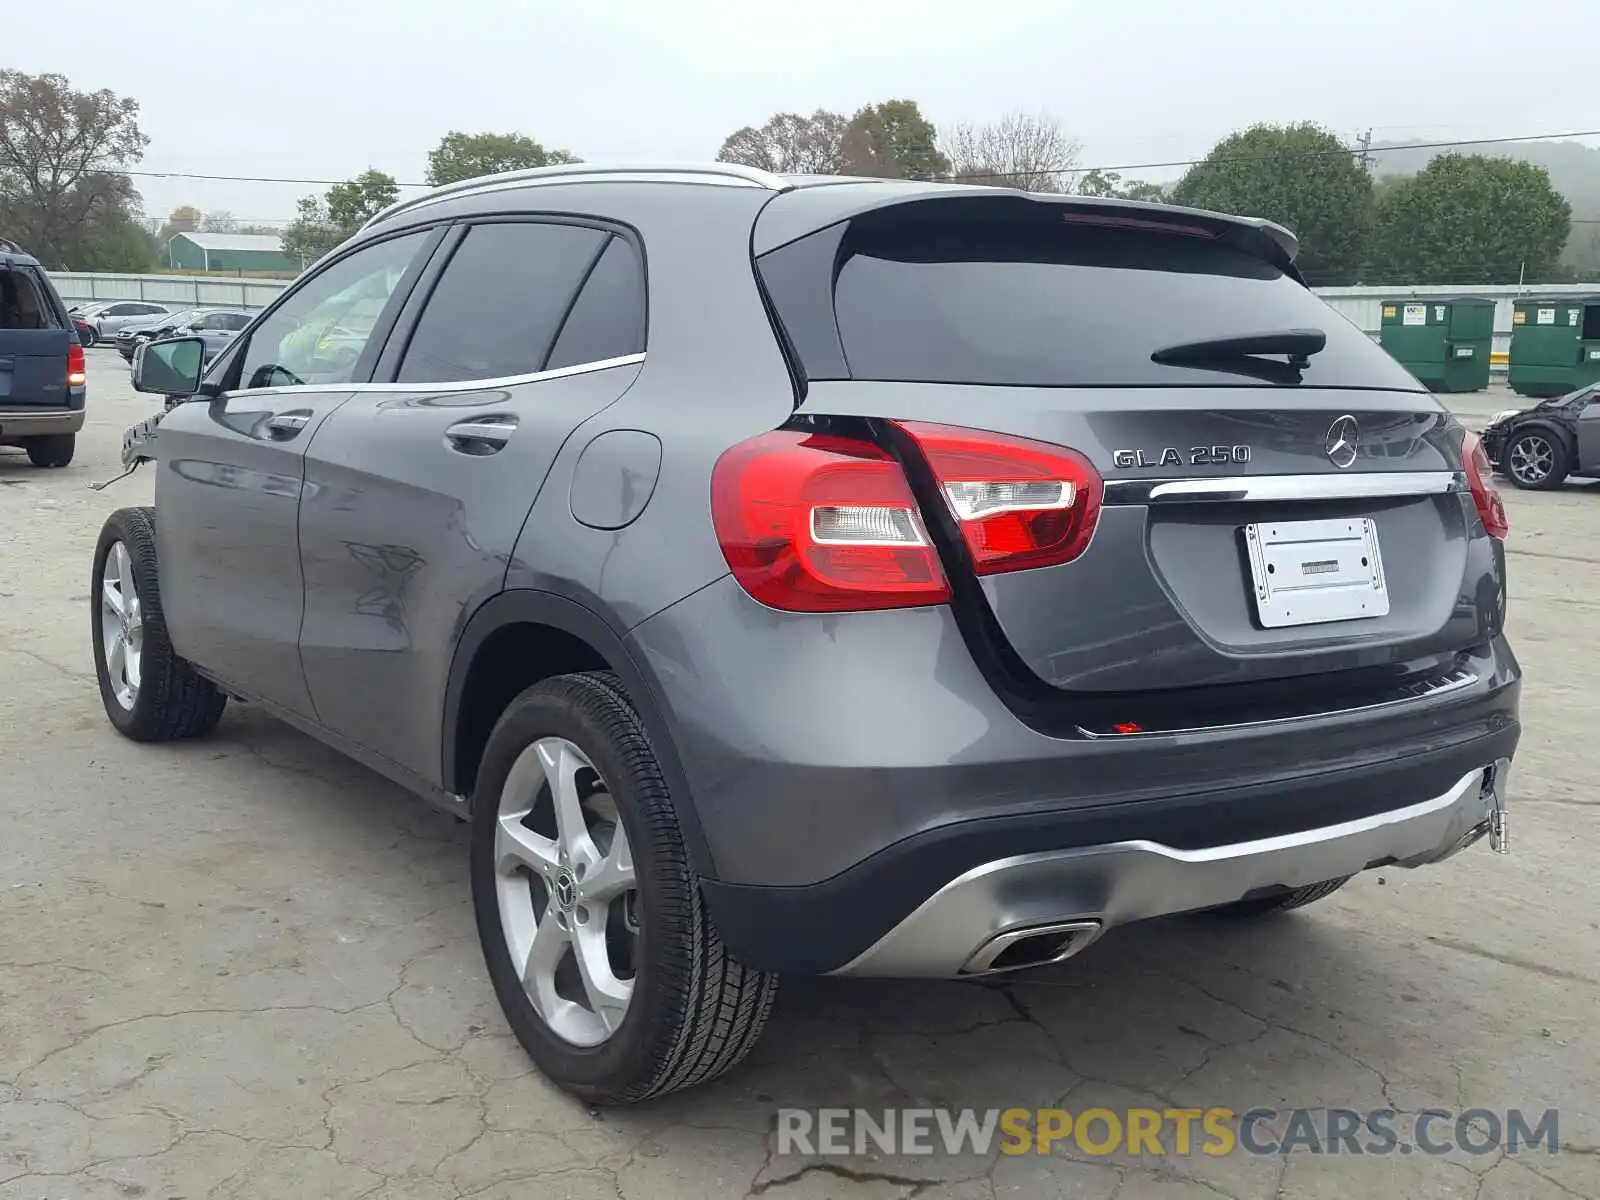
(790, 144)
(219, 221)
(1021, 150)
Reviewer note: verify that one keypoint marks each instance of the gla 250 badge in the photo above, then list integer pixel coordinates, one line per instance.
(1198, 456)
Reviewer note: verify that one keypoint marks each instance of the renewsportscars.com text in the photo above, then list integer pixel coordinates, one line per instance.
(841, 1132)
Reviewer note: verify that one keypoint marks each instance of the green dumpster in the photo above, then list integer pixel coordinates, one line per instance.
(1444, 341)
(1555, 344)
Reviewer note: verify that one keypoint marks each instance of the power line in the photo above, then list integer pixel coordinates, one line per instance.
(1145, 166)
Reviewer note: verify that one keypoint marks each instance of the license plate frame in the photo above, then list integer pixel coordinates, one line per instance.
(1316, 572)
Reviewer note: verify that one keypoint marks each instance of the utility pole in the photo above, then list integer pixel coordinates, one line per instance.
(1365, 155)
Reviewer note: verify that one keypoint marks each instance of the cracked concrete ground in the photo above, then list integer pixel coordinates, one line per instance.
(247, 967)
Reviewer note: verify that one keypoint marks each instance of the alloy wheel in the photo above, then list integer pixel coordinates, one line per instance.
(567, 892)
(121, 625)
(1531, 458)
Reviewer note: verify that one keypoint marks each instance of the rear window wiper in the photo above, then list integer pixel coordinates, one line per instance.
(1297, 344)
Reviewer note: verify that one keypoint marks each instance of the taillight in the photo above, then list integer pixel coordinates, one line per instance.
(818, 523)
(77, 372)
(1018, 503)
(1480, 478)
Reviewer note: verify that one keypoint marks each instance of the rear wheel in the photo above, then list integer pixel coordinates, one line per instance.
(1260, 906)
(1536, 459)
(150, 693)
(51, 450)
(593, 929)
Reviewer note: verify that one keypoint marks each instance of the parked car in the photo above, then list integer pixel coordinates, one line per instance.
(114, 317)
(897, 579)
(215, 327)
(87, 334)
(1539, 447)
(43, 379)
(132, 335)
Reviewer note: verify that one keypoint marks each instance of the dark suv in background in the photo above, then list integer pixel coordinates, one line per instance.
(43, 380)
(825, 576)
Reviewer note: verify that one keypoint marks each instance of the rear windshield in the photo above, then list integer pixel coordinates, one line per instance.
(1019, 293)
(23, 304)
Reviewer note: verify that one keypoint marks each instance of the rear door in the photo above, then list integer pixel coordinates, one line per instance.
(1263, 518)
(34, 338)
(232, 469)
(417, 487)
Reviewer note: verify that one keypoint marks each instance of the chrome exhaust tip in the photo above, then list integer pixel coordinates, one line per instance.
(1034, 946)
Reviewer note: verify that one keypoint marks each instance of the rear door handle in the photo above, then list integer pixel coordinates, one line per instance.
(481, 435)
(285, 425)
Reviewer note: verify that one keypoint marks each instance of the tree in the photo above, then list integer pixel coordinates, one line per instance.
(327, 220)
(790, 144)
(892, 140)
(468, 155)
(61, 156)
(1020, 150)
(185, 218)
(1471, 219)
(1096, 182)
(220, 221)
(1300, 176)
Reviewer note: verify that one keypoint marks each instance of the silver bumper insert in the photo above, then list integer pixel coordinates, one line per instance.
(966, 926)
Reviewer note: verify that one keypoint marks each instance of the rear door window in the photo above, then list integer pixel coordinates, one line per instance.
(500, 302)
(1021, 293)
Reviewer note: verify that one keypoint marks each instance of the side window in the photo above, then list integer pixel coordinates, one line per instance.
(608, 319)
(153, 310)
(233, 321)
(318, 334)
(497, 306)
(123, 310)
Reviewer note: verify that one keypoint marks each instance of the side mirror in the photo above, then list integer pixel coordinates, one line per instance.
(169, 368)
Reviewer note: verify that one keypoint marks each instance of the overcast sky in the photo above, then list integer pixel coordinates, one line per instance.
(321, 89)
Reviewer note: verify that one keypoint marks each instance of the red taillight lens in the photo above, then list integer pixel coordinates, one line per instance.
(77, 372)
(816, 523)
(1480, 478)
(1019, 503)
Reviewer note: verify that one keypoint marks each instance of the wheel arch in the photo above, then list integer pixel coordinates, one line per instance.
(1567, 437)
(565, 636)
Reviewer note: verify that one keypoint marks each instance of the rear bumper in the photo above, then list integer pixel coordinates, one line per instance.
(1052, 904)
(18, 424)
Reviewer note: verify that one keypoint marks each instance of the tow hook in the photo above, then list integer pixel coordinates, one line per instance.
(1494, 783)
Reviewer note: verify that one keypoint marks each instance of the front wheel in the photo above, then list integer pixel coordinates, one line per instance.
(150, 693)
(593, 928)
(1536, 460)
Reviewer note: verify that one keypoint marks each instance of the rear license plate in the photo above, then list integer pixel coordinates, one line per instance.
(1311, 572)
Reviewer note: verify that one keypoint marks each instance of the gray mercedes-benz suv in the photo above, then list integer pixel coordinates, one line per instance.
(824, 576)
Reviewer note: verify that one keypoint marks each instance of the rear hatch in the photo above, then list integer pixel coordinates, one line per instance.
(1284, 519)
(34, 338)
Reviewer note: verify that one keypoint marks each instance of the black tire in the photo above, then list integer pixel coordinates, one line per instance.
(88, 337)
(695, 1012)
(51, 450)
(173, 700)
(1526, 449)
(1261, 906)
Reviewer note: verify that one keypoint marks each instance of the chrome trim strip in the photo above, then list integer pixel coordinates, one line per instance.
(1251, 488)
(457, 385)
(727, 174)
(1442, 685)
(1120, 882)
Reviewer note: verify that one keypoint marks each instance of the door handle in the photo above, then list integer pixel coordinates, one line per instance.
(285, 425)
(480, 435)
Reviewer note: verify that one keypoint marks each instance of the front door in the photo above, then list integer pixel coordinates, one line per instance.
(232, 470)
(417, 487)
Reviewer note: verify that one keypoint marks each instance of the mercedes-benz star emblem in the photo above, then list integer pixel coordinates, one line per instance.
(566, 889)
(1343, 436)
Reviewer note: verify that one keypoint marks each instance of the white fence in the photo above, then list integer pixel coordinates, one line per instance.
(175, 291)
(1362, 305)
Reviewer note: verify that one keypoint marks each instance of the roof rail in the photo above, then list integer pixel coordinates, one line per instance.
(7, 246)
(577, 172)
